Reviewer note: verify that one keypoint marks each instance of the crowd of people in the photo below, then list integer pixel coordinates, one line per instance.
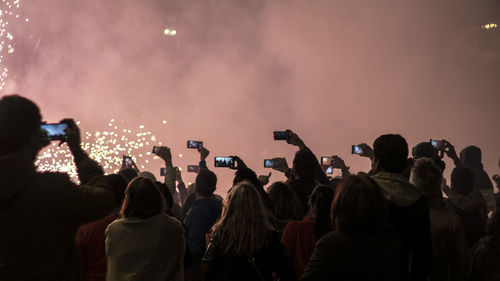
(398, 221)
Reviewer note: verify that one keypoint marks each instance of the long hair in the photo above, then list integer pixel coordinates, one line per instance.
(286, 203)
(359, 207)
(244, 228)
(142, 199)
(320, 202)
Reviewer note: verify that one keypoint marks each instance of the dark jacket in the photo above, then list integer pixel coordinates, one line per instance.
(259, 267)
(202, 216)
(303, 188)
(341, 256)
(449, 245)
(40, 213)
(485, 259)
(409, 217)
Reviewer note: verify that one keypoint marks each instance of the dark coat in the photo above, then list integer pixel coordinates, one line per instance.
(40, 213)
(259, 267)
(341, 256)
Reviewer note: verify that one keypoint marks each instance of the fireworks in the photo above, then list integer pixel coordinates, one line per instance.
(106, 147)
(8, 11)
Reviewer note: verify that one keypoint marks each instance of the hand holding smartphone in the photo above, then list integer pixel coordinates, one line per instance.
(55, 131)
(224, 162)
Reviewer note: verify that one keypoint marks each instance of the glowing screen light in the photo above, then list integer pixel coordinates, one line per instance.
(490, 26)
(169, 32)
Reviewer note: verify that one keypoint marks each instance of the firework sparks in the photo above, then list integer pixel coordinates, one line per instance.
(106, 147)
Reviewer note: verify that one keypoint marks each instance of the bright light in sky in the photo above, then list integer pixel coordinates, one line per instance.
(170, 32)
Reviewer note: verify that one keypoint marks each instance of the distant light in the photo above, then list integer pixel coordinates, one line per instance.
(180, 155)
(490, 26)
(169, 32)
(164, 121)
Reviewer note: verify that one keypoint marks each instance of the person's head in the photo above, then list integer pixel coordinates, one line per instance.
(320, 202)
(286, 203)
(128, 174)
(148, 175)
(244, 226)
(142, 199)
(305, 164)
(426, 150)
(462, 180)
(471, 157)
(390, 153)
(247, 174)
(206, 183)
(427, 177)
(359, 207)
(118, 185)
(165, 192)
(20, 121)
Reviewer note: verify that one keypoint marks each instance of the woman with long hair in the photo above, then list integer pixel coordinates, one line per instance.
(244, 245)
(362, 247)
(287, 206)
(145, 244)
(299, 237)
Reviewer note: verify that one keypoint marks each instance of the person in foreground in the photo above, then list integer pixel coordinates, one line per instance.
(363, 246)
(244, 245)
(40, 212)
(146, 244)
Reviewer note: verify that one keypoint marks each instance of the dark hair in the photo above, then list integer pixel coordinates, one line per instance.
(128, 174)
(392, 152)
(427, 177)
(286, 203)
(206, 182)
(359, 207)
(320, 202)
(20, 120)
(305, 164)
(142, 199)
(165, 192)
(247, 174)
(462, 180)
(118, 186)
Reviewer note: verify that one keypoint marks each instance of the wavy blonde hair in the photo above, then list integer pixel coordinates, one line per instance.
(244, 227)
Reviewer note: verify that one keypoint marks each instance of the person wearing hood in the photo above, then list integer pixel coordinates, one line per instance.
(40, 212)
(449, 246)
(201, 217)
(467, 203)
(408, 209)
(470, 157)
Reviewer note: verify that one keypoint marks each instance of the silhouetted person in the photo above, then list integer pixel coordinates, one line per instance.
(146, 244)
(485, 256)
(40, 212)
(90, 237)
(286, 205)
(449, 245)
(468, 204)
(244, 245)
(243, 173)
(363, 246)
(300, 237)
(203, 214)
(408, 210)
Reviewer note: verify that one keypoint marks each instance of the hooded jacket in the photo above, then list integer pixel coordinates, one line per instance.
(409, 217)
(39, 215)
(471, 159)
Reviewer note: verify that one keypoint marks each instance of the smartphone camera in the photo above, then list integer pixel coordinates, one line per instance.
(438, 144)
(329, 170)
(327, 161)
(356, 149)
(194, 144)
(55, 131)
(281, 135)
(156, 149)
(128, 162)
(270, 163)
(224, 162)
(163, 171)
(193, 169)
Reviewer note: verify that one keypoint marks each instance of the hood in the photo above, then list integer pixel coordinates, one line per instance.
(15, 175)
(212, 204)
(397, 189)
(471, 159)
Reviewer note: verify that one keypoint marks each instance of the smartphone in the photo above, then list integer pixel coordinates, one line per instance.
(225, 162)
(270, 163)
(438, 144)
(327, 161)
(55, 131)
(127, 162)
(155, 149)
(163, 171)
(356, 149)
(329, 171)
(281, 135)
(193, 169)
(194, 144)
